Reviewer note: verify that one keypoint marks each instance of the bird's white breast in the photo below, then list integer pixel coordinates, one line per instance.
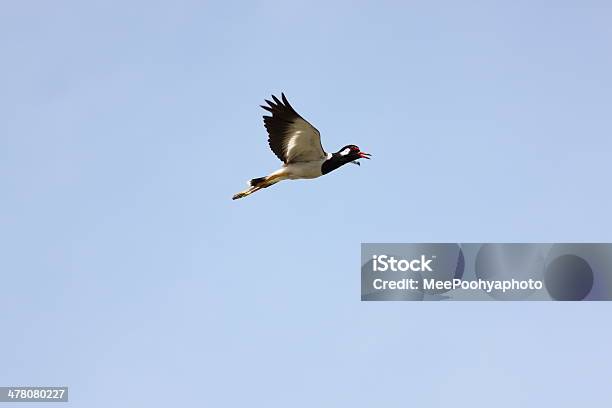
(303, 170)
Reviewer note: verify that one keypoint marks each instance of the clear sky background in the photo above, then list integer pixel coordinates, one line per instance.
(130, 275)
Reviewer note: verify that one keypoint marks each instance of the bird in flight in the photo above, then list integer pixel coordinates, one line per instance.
(298, 145)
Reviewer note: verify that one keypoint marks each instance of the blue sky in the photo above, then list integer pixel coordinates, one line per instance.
(131, 276)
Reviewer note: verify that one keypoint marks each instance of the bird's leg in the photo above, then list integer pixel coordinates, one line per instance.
(266, 182)
(246, 192)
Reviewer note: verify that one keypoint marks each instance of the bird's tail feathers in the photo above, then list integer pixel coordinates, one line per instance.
(257, 181)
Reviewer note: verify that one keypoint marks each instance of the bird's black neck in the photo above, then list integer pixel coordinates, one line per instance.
(336, 160)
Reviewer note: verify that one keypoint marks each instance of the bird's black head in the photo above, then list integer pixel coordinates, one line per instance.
(348, 154)
(351, 153)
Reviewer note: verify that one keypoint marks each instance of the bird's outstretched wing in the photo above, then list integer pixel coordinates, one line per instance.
(291, 137)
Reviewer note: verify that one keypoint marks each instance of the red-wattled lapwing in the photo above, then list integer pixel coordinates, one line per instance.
(298, 144)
